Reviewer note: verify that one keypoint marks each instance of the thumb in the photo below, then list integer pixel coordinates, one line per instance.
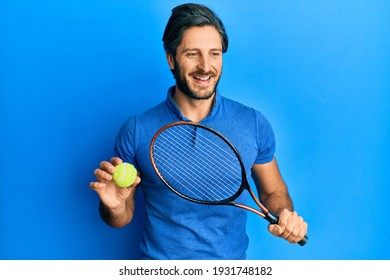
(136, 181)
(275, 229)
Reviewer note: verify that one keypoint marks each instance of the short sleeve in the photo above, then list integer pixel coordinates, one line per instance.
(124, 147)
(265, 140)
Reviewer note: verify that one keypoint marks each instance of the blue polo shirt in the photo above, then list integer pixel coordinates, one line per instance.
(176, 228)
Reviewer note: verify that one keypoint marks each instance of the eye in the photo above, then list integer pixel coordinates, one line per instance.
(192, 54)
(215, 54)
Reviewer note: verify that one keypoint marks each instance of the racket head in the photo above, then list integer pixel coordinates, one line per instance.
(198, 163)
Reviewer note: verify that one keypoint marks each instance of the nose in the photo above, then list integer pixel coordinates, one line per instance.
(204, 63)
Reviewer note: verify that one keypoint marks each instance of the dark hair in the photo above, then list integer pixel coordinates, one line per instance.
(186, 16)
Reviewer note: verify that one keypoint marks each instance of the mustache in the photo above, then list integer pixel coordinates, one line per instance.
(202, 73)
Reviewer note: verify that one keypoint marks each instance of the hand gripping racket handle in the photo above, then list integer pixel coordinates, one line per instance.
(274, 220)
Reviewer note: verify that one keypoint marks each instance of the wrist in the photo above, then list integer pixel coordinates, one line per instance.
(111, 215)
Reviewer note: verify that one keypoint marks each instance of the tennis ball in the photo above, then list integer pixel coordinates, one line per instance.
(124, 174)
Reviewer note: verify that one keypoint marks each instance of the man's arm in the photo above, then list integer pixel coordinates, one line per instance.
(116, 203)
(119, 216)
(273, 193)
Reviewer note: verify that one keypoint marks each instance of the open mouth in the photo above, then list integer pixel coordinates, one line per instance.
(202, 78)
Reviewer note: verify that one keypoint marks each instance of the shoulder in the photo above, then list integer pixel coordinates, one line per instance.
(244, 113)
(148, 118)
(249, 121)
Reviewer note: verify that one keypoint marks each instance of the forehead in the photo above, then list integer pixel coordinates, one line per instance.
(205, 37)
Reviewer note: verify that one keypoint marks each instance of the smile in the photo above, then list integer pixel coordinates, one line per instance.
(206, 78)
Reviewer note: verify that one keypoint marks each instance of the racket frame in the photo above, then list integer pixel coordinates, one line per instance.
(227, 201)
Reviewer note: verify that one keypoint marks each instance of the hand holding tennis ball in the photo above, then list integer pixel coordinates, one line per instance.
(124, 175)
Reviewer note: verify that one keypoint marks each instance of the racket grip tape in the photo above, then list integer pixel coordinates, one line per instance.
(273, 219)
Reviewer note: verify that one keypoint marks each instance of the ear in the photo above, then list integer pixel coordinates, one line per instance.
(171, 61)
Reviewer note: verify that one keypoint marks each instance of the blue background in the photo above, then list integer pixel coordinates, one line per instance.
(71, 72)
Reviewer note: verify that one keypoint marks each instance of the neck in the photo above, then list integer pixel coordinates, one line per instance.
(193, 109)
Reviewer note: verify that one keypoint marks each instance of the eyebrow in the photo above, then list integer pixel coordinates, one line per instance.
(196, 49)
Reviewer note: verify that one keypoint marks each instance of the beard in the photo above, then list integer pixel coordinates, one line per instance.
(183, 84)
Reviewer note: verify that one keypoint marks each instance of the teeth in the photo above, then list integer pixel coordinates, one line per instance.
(203, 78)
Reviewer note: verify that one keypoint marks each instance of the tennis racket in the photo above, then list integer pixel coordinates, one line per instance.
(199, 164)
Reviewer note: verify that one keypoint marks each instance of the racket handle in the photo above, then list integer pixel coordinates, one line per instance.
(274, 220)
(303, 241)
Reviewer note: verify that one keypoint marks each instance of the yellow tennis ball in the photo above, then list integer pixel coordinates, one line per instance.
(124, 174)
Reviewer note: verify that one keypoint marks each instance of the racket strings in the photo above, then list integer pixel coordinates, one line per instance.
(197, 163)
(205, 155)
(215, 145)
(194, 182)
(175, 173)
(210, 152)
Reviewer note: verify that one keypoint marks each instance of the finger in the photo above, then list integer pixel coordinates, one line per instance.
(283, 218)
(97, 185)
(135, 183)
(292, 228)
(296, 230)
(116, 160)
(299, 227)
(301, 232)
(102, 175)
(107, 166)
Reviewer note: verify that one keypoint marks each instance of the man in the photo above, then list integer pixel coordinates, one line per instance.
(194, 41)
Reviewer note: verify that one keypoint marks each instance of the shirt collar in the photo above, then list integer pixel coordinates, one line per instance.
(174, 108)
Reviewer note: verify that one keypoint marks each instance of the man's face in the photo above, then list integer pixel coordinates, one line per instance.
(198, 64)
